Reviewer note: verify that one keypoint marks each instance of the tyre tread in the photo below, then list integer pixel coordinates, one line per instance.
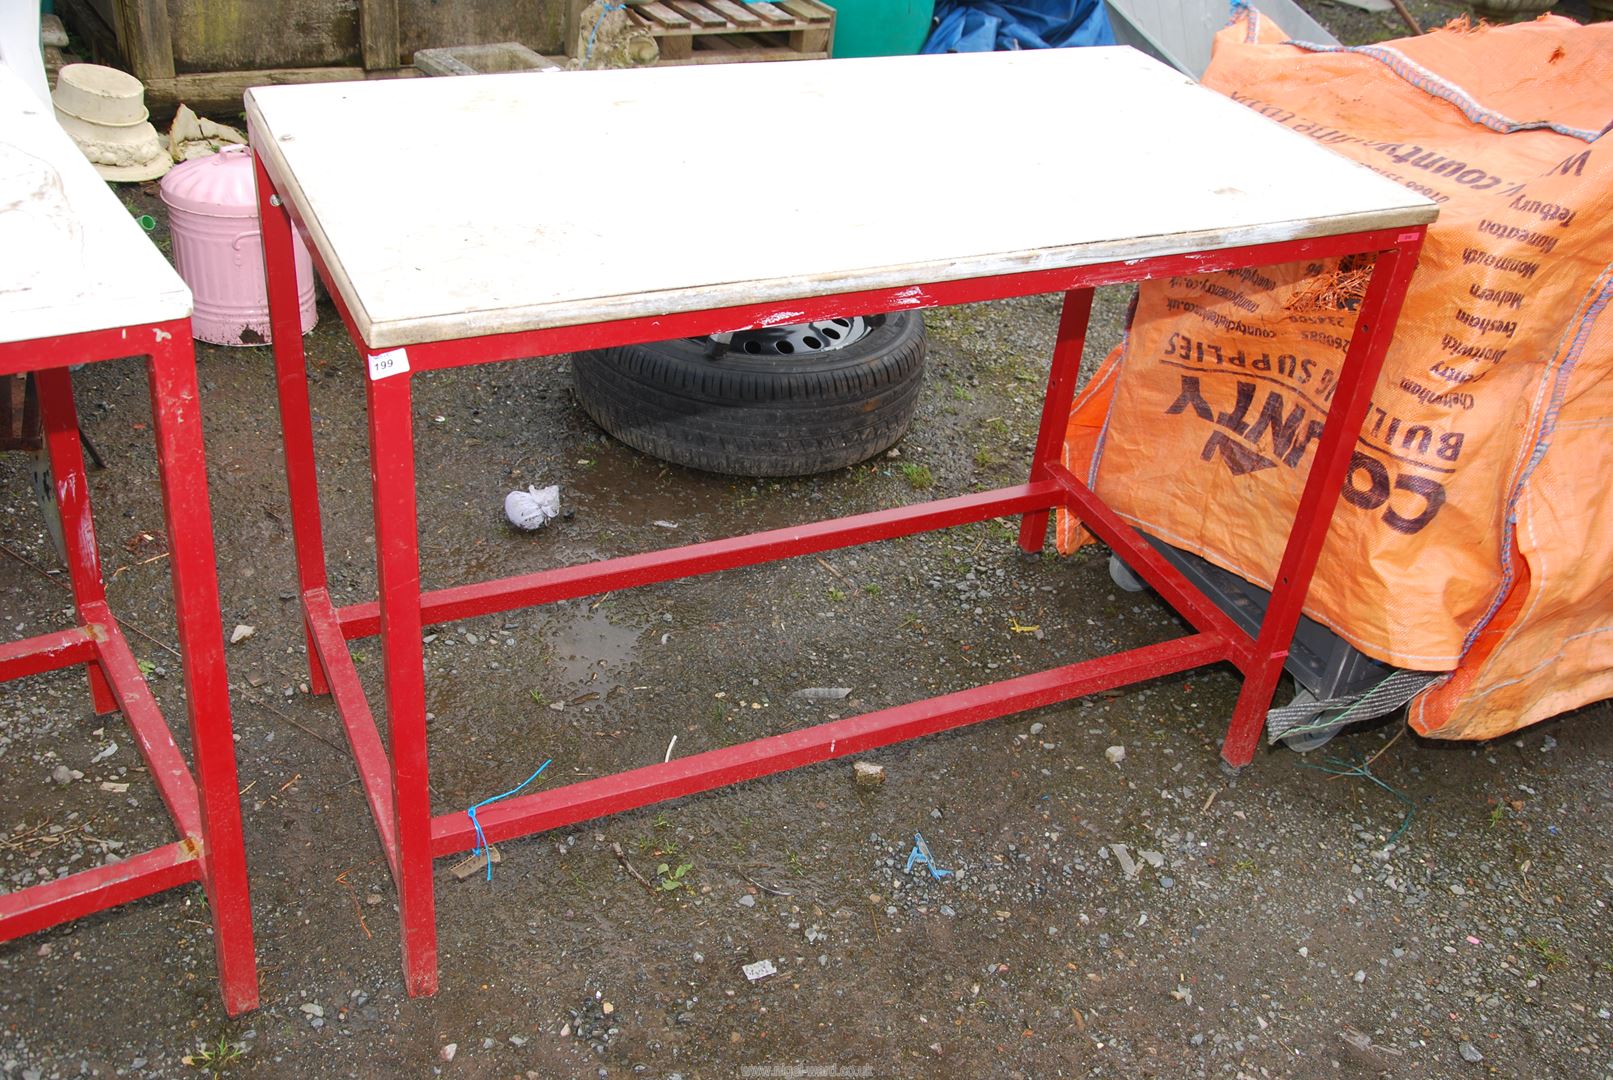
(753, 416)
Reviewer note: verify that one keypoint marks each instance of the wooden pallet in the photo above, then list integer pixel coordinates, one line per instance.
(729, 31)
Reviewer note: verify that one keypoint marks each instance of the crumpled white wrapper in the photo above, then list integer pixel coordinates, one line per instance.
(532, 508)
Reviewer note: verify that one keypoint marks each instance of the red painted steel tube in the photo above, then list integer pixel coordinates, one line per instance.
(369, 756)
(1061, 379)
(271, 205)
(177, 425)
(563, 339)
(59, 420)
(151, 735)
(1172, 585)
(853, 735)
(17, 357)
(88, 891)
(397, 558)
(1358, 378)
(47, 652)
(670, 564)
(291, 386)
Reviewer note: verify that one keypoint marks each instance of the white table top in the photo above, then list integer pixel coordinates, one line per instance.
(449, 208)
(72, 257)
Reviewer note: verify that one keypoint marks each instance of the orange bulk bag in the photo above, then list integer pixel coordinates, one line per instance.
(1474, 536)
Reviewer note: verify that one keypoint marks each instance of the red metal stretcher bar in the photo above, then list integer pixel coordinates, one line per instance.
(48, 652)
(587, 799)
(369, 756)
(203, 804)
(670, 564)
(396, 785)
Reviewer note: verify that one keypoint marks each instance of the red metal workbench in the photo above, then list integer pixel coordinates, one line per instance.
(204, 806)
(92, 287)
(302, 171)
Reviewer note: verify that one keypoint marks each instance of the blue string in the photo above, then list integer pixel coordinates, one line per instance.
(920, 856)
(481, 840)
(588, 54)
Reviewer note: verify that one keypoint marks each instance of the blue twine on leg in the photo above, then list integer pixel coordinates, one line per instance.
(481, 840)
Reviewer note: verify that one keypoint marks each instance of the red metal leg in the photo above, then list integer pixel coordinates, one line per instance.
(397, 555)
(1056, 406)
(1374, 327)
(177, 424)
(296, 419)
(59, 419)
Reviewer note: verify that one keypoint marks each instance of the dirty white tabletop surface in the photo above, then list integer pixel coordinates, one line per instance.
(72, 257)
(452, 207)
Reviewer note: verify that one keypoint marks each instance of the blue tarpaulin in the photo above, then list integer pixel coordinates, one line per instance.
(993, 25)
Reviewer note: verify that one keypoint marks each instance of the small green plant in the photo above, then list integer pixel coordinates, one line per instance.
(961, 393)
(662, 821)
(871, 589)
(997, 426)
(671, 879)
(1243, 864)
(1497, 812)
(146, 666)
(918, 476)
(1550, 954)
(984, 458)
(836, 595)
(537, 696)
(215, 1059)
(794, 860)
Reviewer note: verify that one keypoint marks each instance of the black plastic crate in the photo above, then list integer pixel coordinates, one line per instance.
(1319, 660)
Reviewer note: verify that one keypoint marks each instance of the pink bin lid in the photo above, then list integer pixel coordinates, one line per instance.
(220, 185)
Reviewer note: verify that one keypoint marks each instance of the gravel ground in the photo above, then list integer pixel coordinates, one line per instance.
(1117, 905)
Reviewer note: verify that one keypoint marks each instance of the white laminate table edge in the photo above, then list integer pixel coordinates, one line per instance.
(126, 281)
(450, 326)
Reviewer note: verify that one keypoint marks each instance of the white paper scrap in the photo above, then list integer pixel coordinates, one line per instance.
(533, 507)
